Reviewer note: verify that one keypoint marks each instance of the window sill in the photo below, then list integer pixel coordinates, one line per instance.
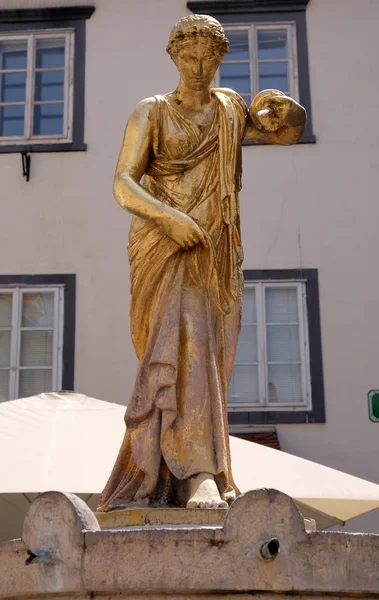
(306, 139)
(275, 417)
(17, 148)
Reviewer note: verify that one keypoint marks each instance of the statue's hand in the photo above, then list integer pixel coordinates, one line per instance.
(271, 110)
(183, 230)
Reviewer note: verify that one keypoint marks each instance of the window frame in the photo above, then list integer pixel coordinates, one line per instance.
(31, 39)
(56, 21)
(314, 413)
(242, 12)
(264, 403)
(253, 29)
(64, 324)
(16, 333)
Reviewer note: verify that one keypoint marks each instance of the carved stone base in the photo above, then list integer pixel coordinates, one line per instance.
(161, 516)
(257, 548)
(131, 517)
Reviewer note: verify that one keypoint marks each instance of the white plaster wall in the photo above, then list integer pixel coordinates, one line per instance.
(338, 220)
(307, 206)
(316, 206)
(65, 219)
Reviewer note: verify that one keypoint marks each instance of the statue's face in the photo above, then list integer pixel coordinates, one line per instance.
(197, 64)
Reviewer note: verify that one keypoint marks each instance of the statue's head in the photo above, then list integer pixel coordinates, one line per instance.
(197, 44)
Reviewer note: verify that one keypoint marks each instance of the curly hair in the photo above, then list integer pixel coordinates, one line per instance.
(188, 28)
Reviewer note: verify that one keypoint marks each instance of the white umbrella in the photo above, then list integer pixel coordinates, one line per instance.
(69, 442)
(52, 441)
(329, 496)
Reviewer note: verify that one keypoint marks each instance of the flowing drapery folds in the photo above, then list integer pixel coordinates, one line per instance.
(185, 309)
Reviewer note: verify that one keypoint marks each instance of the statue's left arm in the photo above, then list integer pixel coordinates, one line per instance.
(274, 118)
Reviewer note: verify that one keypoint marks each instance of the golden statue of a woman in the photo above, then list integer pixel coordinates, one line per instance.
(186, 280)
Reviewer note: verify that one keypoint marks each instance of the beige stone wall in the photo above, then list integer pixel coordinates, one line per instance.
(65, 219)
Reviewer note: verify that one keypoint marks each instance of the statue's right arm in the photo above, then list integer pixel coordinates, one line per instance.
(132, 163)
(131, 166)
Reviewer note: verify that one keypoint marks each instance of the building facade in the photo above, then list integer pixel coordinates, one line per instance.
(71, 73)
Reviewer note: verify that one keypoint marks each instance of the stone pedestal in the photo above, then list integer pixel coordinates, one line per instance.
(184, 517)
(259, 547)
(116, 519)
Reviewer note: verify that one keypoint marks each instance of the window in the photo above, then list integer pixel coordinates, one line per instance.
(260, 56)
(42, 74)
(30, 341)
(268, 48)
(36, 87)
(272, 363)
(277, 375)
(36, 335)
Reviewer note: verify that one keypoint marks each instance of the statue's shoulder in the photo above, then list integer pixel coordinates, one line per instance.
(146, 107)
(232, 95)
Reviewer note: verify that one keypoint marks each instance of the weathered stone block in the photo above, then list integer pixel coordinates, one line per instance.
(72, 557)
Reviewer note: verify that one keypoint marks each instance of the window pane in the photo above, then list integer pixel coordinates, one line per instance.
(12, 120)
(235, 76)
(247, 345)
(239, 45)
(13, 54)
(284, 383)
(273, 76)
(48, 119)
(49, 85)
(249, 306)
(50, 53)
(5, 348)
(283, 343)
(5, 310)
(272, 43)
(36, 348)
(4, 386)
(243, 386)
(281, 305)
(34, 382)
(37, 309)
(13, 86)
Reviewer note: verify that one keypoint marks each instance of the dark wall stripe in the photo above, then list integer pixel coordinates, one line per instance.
(31, 15)
(219, 7)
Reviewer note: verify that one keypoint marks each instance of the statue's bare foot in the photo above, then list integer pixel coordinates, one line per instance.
(230, 496)
(204, 493)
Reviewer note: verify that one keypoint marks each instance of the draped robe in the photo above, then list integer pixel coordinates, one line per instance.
(185, 310)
